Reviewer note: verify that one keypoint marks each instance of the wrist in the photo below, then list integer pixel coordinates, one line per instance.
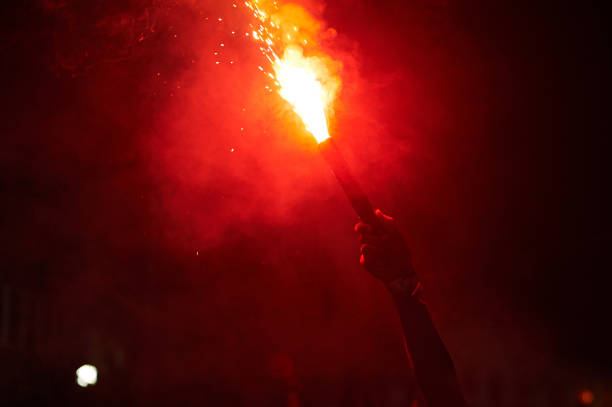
(407, 287)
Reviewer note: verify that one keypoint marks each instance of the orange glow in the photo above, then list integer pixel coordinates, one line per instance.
(304, 77)
(586, 397)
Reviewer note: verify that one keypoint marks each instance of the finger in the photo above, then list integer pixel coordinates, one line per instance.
(371, 251)
(363, 228)
(371, 257)
(374, 240)
(387, 221)
(370, 262)
(382, 216)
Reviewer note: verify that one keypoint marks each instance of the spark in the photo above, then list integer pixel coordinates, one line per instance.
(307, 83)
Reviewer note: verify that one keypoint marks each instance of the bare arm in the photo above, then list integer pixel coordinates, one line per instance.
(385, 255)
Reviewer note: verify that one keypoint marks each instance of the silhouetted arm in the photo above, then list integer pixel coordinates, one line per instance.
(385, 255)
(432, 364)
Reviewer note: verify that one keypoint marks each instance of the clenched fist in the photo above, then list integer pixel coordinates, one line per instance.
(385, 255)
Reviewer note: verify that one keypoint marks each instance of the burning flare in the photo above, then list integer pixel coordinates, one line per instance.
(308, 83)
(300, 87)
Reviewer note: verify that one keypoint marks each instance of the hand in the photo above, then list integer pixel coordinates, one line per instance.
(386, 256)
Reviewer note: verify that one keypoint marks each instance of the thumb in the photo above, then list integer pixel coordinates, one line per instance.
(387, 221)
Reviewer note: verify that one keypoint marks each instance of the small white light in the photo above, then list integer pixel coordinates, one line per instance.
(86, 375)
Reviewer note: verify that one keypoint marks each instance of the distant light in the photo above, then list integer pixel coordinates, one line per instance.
(586, 397)
(86, 375)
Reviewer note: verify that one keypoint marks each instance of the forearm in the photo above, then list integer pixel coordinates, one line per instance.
(432, 364)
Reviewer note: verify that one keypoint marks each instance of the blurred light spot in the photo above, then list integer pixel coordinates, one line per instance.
(586, 397)
(87, 375)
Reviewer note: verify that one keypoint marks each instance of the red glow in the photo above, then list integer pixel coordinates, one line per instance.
(586, 397)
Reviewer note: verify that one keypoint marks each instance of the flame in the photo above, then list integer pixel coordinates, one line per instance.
(308, 83)
(300, 87)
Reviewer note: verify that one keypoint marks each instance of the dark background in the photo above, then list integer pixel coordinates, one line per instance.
(134, 237)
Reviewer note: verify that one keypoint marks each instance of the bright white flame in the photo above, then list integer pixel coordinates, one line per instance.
(300, 87)
(308, 83)
(86, 375)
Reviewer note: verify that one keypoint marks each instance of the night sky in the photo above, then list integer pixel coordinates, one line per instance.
(168, 219)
